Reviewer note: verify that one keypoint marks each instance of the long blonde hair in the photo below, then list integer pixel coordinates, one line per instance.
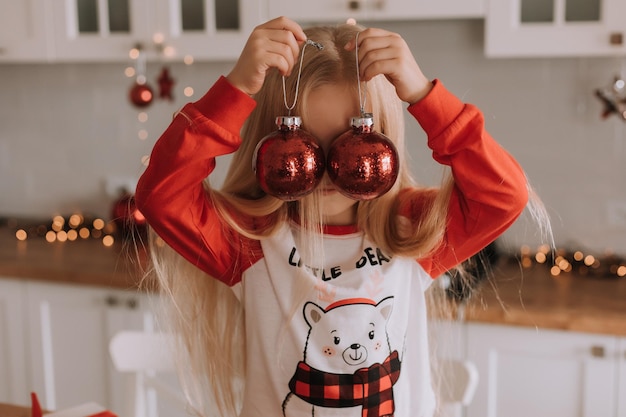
(203, 312)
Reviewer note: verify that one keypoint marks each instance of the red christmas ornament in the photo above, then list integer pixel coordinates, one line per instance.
(363, 164)
(127, 217)
(166, 82)
(289, 163)
(141, 95)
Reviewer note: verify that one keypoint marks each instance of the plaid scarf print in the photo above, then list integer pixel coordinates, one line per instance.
(370, 387)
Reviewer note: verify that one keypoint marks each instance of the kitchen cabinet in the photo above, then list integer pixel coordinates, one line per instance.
(13, 385)
(25, 31)
(339, 10)
(534, 28)
(69, 329)
(537, 372)
(621, 387)
(106, 30)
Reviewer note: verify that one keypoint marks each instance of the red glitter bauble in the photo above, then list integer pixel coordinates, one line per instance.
(289, 163)
(363, 164)
(141, 95)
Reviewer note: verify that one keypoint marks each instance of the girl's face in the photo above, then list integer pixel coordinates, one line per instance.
(329, 109)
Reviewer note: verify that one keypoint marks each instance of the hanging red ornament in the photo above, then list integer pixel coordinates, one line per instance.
(166, 82)
(141, 95)
(127, 217)
(363, 164)
(289, 163)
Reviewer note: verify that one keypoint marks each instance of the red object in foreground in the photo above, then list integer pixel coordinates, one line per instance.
(289, 163)
(363, 164)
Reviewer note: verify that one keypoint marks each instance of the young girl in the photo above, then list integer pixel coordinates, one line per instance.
(316, 307)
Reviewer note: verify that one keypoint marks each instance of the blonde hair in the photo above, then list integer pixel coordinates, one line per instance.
(204, 312)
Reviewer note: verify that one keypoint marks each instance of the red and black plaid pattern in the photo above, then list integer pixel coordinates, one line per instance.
(370, 387)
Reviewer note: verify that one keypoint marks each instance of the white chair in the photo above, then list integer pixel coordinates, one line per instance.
(143, 356)
(459, 380)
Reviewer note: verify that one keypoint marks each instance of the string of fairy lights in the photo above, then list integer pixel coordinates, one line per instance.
(578, 261)
(141, 94)
(67, 229)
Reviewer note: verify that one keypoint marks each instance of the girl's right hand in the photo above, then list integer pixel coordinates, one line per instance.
(274, 44)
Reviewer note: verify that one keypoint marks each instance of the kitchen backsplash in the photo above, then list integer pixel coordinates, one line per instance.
(68, 132)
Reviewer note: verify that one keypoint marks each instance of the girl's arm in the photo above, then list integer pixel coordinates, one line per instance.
(490, 189)
(171, 194)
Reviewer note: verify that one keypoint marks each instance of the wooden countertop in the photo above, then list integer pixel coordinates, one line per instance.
(532, 297)
(521, 297)
(85, 262)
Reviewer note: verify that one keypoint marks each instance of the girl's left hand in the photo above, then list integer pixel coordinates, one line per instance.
(384, 52)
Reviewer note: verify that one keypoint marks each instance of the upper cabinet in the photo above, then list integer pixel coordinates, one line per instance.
(534, 28)
(340, 10)
(24, 31)
(107, 29)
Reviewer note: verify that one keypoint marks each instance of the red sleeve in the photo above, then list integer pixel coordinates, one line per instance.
(171, 195)
(490, 189)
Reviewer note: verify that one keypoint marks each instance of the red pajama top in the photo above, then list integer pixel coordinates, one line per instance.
(353, 343)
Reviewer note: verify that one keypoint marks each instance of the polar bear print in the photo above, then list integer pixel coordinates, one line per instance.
(348, 366)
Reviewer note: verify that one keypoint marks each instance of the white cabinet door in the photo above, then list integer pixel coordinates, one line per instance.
(337, 11)
(207, 29)
(13, 378)
(106, 30)
(536, 28)
(621, 387)
(100, 30)
(25, 32)
(541, 373)
(69, 332)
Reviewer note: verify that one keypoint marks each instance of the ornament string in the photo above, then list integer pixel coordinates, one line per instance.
(319, 46)
(362, 92)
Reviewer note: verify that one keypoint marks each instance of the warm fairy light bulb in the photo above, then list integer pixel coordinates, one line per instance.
(72, 235)
(96, 233)
(133, 53)
(57, 223)
(351, 21)
(62, 236)
(98, 224)
(21, 234)
(621, 271)
(188, 91)
(555, 271)
(158, 38)
(589, 260)
(51, 236)
(578, 256)
(84, 233)
(108, 241)
(75, 220)
(142, 134)
(188, 59)
(540, 257)
(142, 116)
(129, 72)
(169, 51)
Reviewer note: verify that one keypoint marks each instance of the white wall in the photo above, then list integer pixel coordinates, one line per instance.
(66, 129)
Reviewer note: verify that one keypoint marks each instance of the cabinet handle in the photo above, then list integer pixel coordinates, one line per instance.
(132, 303)
(616, 38)
(598, 351)
(354, 5)
(112, 301)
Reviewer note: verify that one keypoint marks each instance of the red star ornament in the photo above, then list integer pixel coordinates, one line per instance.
(166, 82)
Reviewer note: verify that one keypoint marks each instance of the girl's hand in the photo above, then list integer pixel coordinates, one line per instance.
(274, 44)
(383, 52)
